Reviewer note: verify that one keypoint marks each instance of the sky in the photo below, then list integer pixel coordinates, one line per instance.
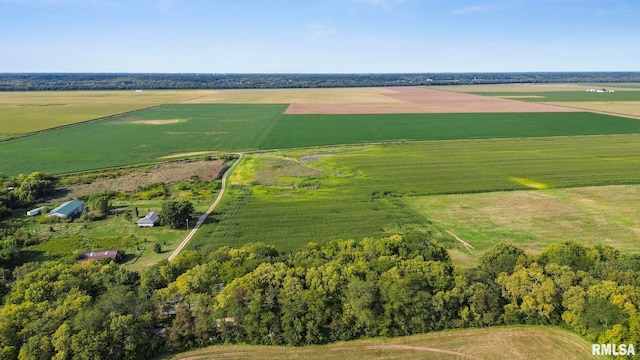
(319, 36)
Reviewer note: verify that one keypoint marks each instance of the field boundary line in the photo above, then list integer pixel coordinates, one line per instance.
(203, 217)
(55, 128)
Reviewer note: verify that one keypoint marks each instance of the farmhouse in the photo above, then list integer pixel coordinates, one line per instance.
(149, 220)
(99, 255)
(68, 210)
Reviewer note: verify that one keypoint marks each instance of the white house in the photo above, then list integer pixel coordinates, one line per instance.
(149, 220)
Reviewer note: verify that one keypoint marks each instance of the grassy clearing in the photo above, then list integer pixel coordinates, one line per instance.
(516, 342)
(534, 219)
(362, 191)
(115, 232)
(26, 112)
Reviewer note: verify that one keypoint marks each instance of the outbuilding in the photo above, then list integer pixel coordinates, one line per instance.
(149, 220)
(35, 212)
(99, 255)
(68, 210)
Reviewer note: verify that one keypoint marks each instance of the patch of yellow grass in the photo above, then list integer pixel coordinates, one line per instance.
(529, 183)
(623, 108)
(187, 154)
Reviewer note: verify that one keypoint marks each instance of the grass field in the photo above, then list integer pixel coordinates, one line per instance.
(363, 191)
(26, 112)
(517, 342)
(149, 135)
(141, 137)
(534, 219)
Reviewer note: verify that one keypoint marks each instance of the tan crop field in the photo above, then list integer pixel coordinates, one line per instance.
(621, 108)
(26, 112)
(408, 100)
(301, 96)
(515, 342)
(534, 219)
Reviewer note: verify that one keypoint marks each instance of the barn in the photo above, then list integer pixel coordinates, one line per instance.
(99, 255)
(149, 220)
(68, 210)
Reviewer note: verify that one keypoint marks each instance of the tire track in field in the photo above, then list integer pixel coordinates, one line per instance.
(203, 217)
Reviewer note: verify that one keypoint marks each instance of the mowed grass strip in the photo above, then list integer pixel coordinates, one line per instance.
(515, 342)
(293, 131)
(141, 137)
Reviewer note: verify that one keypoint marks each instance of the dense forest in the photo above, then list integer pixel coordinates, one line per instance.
(113, 81)
(341, 291)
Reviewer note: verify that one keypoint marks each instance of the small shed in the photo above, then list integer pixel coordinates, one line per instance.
(68, 210)
(99, 255)
(149, 220)
(35, 212)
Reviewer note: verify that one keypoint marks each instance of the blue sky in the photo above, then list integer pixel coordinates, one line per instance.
(319, 36)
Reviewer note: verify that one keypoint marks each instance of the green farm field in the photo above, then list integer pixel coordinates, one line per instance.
(566, 96)
(515, 342)
(149, 135)
(366, 191)
(28, 112)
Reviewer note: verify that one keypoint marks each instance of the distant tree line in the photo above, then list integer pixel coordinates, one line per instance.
(132, 81)
(340, 291)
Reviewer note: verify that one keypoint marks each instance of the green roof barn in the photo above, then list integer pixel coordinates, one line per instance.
(68, 210)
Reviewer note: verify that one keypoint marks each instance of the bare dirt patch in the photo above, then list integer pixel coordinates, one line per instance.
(167, 173)
(406, 100)
(312, 157)
(158, 122)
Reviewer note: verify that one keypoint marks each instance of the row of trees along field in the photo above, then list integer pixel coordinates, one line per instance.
(341, 291)
(70, 81)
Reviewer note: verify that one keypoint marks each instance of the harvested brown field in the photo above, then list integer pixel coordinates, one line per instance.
(410, 100)
(166, 172)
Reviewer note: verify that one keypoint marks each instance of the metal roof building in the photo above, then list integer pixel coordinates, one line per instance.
(98, 255)
(68, 210)
(149, 220)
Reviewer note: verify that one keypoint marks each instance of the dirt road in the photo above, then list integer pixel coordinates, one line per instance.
(203, 217)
